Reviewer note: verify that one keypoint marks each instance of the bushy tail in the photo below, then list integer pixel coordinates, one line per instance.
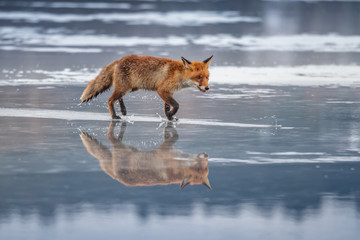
(100, 84)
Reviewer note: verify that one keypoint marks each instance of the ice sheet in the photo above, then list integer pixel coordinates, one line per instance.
(91, 116)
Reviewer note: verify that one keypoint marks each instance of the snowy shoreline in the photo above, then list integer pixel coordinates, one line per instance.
(309, 75)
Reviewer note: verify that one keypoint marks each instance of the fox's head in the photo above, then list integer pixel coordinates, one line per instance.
(197, 172)
(198, 73)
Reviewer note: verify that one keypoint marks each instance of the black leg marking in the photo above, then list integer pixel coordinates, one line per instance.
(122, 106)
(175, 108)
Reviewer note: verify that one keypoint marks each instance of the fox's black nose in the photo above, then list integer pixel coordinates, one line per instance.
(207, 88)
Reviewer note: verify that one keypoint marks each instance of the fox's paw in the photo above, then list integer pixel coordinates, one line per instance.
(116, 117)
(173, 119)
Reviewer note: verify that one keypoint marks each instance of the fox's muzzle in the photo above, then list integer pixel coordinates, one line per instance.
(203, 89)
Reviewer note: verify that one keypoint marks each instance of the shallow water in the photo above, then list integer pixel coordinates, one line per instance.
(276, 138)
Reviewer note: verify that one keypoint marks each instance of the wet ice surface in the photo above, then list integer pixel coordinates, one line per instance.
(276, 138)
(302, 175)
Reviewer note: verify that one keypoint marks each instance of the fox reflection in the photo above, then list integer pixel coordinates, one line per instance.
(136, 167)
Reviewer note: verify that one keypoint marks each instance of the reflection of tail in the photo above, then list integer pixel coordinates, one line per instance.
(95, 148)
(100, 84)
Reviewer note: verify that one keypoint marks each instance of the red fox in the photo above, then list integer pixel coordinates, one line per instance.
(163, 75)
(132, 166)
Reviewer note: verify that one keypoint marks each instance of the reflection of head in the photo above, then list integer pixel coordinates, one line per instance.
(198, 172)
(136, 167)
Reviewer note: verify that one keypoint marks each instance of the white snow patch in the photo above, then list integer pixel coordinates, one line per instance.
(174, 18)
(85, 5)
(302, 42)
(37, 39)
(243, 93)
(286, 153)
(90, 116)
(45, 87)
(18, 37)
(342, 102)
(268, 160)
(51, 49)
(310, 75)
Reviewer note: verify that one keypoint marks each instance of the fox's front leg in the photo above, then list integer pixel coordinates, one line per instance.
(117, 95)
(122, 106)
(167, 111)
(169, 101)
(166, 108)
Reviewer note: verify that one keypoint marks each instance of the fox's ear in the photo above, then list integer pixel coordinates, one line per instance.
(207, 183)
(186, 64)
(208, 60)
(185, 182)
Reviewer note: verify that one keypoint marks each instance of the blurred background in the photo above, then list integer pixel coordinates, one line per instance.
(89, 34)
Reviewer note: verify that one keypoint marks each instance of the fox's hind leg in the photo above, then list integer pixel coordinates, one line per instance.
(114, 97)
(122, 106)
(121, 87)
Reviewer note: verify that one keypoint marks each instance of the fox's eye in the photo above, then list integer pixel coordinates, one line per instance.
(198, 77)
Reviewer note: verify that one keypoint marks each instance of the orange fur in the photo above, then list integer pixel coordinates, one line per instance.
(163, 75)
